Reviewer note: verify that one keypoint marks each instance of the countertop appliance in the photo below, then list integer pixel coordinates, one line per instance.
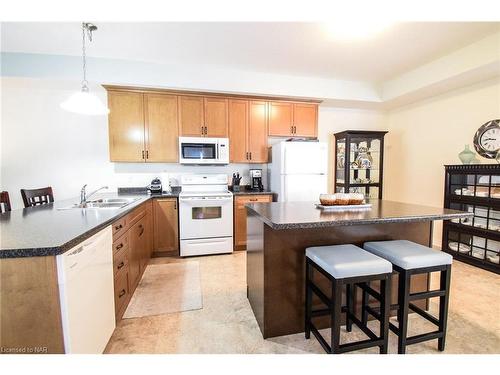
(203, 150)
(256, 180)
(205, 215)
(298, 171)
(155, 186)
(86, 292)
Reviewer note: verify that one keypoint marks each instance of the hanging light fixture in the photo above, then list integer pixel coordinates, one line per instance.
(84, 102)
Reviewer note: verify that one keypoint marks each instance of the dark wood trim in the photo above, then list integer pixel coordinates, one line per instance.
(211, 94)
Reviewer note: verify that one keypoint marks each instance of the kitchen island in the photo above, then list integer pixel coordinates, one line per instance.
(279, 233)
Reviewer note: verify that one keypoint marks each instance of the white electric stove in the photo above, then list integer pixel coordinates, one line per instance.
(205, 215)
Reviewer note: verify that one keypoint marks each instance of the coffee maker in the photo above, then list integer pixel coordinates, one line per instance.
(256, 180)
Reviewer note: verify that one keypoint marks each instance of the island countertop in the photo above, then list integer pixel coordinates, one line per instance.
(297, 215)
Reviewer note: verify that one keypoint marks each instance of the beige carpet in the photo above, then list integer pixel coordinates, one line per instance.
(167, 288)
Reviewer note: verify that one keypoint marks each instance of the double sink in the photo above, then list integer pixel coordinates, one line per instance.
(103, 203)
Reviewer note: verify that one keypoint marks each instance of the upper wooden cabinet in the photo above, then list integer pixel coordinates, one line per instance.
(203, 116)
(248, 131)
(305, 120)
(293, 119)
(142, 127)
(162, 128)
(126, 126)
(191, 116)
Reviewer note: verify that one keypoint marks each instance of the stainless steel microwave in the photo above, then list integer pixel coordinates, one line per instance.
(203, 150)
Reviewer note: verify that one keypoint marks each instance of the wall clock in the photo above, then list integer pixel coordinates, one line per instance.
(487, 139)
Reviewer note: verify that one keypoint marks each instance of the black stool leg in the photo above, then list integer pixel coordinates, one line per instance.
(336, 315)
(349, 302)
(385, 306)
(308, 301)
(364, 303)
(444, 280)
(403, 301)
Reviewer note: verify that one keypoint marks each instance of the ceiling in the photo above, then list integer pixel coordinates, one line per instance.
(302, 49)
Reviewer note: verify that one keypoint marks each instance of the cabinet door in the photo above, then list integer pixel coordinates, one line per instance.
(126, 126)
(162, 128)
(238, 130)
(280, 118)
(138, 242)
(305, 119)
(240, 217)
(148, 241)
(216, 122)
(165, 228)
(191, 117)
(257, 132)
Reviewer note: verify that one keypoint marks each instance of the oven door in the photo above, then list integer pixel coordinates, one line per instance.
(205, 217)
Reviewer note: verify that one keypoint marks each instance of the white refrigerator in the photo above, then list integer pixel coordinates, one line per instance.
(298, 170)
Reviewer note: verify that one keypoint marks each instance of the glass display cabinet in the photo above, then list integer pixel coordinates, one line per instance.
(474, 188)
(359, 161)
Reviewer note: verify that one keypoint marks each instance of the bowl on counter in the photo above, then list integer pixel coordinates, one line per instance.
(341, 199)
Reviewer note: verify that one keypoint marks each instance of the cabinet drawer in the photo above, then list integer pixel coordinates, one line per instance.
(120, 244)
(121, 294)
(119, 227)
(120, 262)
(136, 215)
(254, 199)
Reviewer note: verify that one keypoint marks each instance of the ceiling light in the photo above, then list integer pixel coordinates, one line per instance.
(83, 102)
(348, 30)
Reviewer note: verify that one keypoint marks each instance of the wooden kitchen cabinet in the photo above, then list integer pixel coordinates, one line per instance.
(161, 128)
(280, 119)
(142, 127)
(132, 248)
(240, 217)
(191, 116)
(126, 126)
(216, 119)
(165, 225)
(293, 119)
(138, 242)
(248, 131)
(203, 116)
(305, 119)
(238, 130)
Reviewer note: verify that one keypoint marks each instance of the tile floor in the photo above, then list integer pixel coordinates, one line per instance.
(226, 323)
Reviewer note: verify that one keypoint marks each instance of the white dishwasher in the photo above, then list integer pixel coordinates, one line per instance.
(86, 291)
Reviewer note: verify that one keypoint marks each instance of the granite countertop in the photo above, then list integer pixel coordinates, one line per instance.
(48, 230)
(250, 192)
(303, 215)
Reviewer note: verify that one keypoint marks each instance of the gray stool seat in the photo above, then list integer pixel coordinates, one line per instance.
(344, 261)
(408, 255)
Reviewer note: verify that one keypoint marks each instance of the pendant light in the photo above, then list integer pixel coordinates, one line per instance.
(83, 102)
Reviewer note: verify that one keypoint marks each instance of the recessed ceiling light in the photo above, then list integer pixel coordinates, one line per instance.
(349, 30)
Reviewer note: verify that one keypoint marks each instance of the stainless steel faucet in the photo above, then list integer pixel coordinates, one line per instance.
(84, 196)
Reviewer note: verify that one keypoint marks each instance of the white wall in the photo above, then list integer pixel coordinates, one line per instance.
(426, 135)
(42, 145)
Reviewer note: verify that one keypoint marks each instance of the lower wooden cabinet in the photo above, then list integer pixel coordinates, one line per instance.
(132, 248)
(165, 225)
(240, 217)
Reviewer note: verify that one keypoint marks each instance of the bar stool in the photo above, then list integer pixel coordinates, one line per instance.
(409, 258)
(346, 265)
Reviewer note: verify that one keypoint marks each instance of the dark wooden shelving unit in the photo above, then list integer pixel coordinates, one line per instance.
(349, 146)
(474, 188)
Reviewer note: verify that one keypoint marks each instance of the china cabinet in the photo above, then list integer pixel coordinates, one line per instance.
(474, 188)
(359, 161)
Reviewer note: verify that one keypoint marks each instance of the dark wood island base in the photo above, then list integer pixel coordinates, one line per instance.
(276, 258)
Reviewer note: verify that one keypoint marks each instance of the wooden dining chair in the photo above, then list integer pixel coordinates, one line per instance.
(35, 197)
(4, 202)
